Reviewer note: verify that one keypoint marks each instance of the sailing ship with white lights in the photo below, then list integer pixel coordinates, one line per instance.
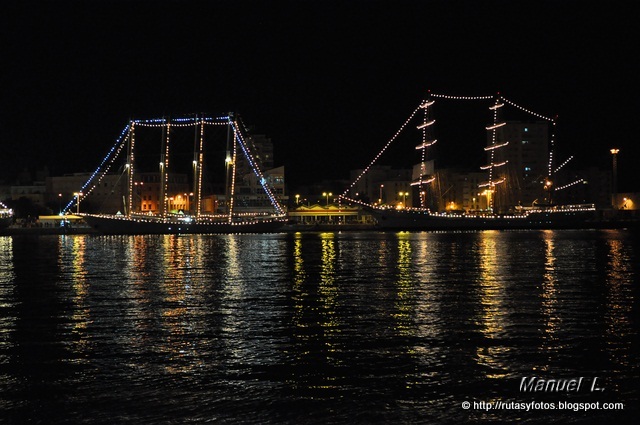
(142, 216)
(500, 210)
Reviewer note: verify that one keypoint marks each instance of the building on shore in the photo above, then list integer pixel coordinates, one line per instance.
(329, 214)
(382, 185)
(108, 195)
(518, 161)
(627, 201)
(250, 195)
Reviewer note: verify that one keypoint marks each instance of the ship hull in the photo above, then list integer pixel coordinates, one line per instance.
(5, 222)
(116, 225)
(421, 220)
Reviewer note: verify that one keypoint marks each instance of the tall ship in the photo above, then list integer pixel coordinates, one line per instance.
(161, 190)
(514, 189)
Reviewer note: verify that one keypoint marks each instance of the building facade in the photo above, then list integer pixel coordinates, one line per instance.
(382, 185)
(250, 195)
(527, 159)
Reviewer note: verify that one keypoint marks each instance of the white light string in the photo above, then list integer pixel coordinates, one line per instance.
(109, 158)
(569, 184)
(254, 167)
(552, 147)
(445, 96)
(182, 122)
(375, 159)
(114, 152)
(563, 164)
(535, 114)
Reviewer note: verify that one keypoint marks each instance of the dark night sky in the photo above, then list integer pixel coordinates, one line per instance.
(328, 81)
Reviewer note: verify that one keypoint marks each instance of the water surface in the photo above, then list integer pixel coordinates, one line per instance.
(326, 328)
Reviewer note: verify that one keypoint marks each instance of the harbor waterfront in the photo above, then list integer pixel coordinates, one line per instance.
(321, 327)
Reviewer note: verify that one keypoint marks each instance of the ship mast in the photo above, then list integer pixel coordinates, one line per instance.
(494, 149)
(130, 156)
(231, 162)
(423, 175)
(197, 166)
(164, 168)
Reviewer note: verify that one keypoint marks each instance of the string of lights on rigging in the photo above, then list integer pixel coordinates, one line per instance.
(109, 158)
(569, 184)
(128, 134)
(499, 102)
(252, 162)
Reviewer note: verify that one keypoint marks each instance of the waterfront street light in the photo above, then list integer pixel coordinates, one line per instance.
(614, 153)
(548, 187)
(297, 199)
(78, 195)
(326, 195)
(380, 199)
(59, 203)
(404, 198)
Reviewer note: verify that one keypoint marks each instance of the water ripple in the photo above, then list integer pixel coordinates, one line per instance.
(324, 328)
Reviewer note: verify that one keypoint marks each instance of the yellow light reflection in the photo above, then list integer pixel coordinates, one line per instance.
(327, 289)
(404, 304)
(315, 298)
(233, 292)
(180, 316)
(298, 261)
(426, 257)
(619, 301)
(7, 300)
(550, 304)
(299, 278)
(6, 265)
(493, 312)
(72, 261)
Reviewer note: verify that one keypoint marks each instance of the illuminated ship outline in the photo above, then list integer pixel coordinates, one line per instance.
(166, 222)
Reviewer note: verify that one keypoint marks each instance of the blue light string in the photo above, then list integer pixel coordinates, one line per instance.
(161, 122)
(256, 170)
(183, 120)
(118, 143)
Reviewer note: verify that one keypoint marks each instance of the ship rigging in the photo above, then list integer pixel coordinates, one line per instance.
(501, 186)
(192, 217)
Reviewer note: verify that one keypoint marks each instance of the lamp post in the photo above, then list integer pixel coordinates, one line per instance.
(297, 199)
(138, 195)
(78, 195)
(380, 200)
(59, 203)
(404, 198)
(548, 187)
(614, 153)
(327, 194)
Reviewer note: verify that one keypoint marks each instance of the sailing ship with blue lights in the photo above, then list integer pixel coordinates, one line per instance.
(541, 214)
(147, 213)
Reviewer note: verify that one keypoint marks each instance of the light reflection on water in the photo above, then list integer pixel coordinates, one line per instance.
(550, 284)
(325, 327)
